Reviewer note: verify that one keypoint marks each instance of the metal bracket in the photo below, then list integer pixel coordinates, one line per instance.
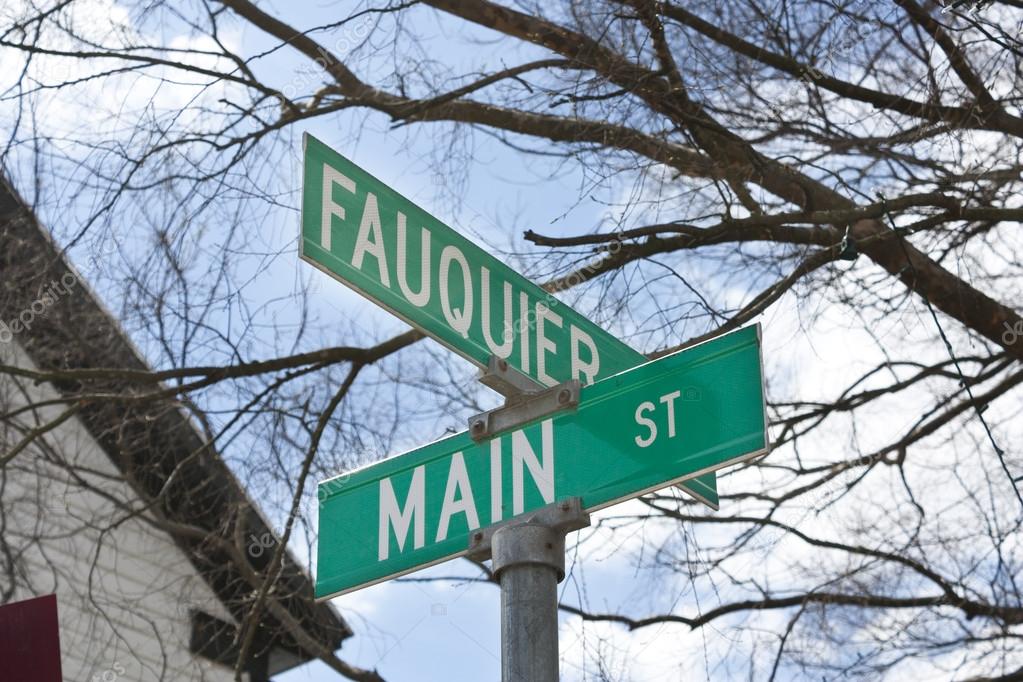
(524, 408)
(507, 380)
(561, 517)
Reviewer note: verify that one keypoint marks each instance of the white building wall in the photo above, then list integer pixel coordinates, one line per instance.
(124, 589)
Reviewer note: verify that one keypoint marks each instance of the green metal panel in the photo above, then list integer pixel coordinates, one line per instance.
(355, 203)
(464, 295)
(688, 413)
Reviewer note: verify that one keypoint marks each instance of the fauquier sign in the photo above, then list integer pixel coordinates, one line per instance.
(376, 241)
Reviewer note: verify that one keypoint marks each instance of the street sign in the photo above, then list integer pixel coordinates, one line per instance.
(372, 239)
(662, 422)
(363, 233)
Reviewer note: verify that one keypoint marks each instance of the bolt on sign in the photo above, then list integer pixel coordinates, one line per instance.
(372, 239)
(686, 414)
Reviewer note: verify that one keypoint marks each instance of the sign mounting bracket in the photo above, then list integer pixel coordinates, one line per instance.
(507, 380)
(562, 517)
(525, 399)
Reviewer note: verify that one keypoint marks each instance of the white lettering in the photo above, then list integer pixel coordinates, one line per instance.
(669, 400)
(647, 422)
(579, 368)
(542, 474)
(459, 319)
(331, 177)
(458, 484)
(496, 494)
(422, 298)
(508, 338)
(523, 322)
(543, 344)
(370, 227)
(391, 517)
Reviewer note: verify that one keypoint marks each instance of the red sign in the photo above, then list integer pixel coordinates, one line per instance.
(30, 640)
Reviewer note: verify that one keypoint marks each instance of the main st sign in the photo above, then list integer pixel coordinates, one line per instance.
(691, 412)
(633, 427)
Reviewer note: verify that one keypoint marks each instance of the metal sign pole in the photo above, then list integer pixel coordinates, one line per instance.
(529, 561)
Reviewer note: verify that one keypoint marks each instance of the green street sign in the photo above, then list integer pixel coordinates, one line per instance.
(660, 423)
(372, 239)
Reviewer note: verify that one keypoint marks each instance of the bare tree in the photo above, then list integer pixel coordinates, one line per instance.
(850, 168)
